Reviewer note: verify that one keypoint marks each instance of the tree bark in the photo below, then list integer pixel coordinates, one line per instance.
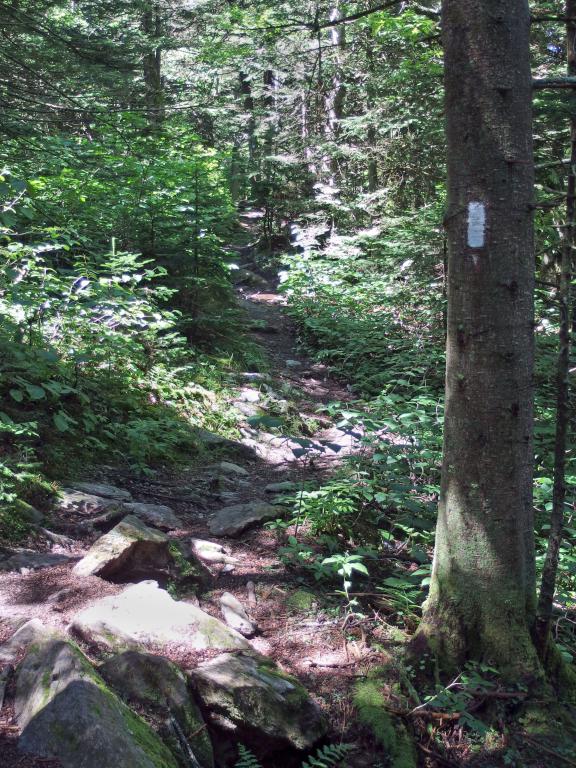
(550, 570)
(482, 597)
(152, 66)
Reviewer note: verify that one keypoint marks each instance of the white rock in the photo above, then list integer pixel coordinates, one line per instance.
(235, 615)
(144, 614)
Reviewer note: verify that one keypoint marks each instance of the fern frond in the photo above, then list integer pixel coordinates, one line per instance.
(330, 756)
(246, 758)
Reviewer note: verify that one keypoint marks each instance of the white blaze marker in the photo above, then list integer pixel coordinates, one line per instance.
(476, 225)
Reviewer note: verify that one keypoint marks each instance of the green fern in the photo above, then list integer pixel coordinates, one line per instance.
(330, 756)
(246, 759)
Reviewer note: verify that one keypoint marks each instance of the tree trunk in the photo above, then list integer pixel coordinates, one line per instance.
(152, 66)
(550, 570)
(482, 596)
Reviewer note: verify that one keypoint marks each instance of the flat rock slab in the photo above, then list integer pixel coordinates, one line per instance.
(66, 712)
(231, 521)
(159, 687)
(104, 490)
(129, 548)
(268, 710)
(33, 561)
(158, 515)
(145, 615)
(88, 504)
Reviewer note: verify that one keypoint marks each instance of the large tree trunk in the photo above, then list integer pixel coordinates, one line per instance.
(482, 595)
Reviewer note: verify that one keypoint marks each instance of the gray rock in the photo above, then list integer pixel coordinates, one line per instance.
(144, 615)
(104, 490)
(158, 686)
(249, 395)
(157, 515)
(32, 561)
(284, 487)
(66, 712)
(29, 633)
(228, 468)
(235, 615)
(85, 503)
(269, 710)
(231, 521)
(247, 409)
(212, 440)
(129, 549)
(293, 364)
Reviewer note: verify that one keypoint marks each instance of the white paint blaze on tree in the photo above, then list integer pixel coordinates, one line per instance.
(482, 596)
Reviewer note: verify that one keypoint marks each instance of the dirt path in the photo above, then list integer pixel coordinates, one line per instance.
(302, 627)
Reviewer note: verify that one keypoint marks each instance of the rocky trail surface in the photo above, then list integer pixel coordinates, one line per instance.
(167, 594)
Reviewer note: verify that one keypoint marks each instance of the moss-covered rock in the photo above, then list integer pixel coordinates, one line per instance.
(67, 712)
(265, 709)
(160, 687)
(301, 601)
(391, 734)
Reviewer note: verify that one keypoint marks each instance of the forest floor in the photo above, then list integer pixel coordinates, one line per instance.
(305, 627)
(301, 627)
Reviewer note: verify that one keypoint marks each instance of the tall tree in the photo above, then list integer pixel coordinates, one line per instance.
(482, 597)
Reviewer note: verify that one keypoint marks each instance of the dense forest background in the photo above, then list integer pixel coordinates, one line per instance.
(132, 134)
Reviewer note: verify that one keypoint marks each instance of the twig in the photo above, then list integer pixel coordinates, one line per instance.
(437, 756)
(549, 751)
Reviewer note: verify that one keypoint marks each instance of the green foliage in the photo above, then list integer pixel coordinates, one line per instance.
(329, 756)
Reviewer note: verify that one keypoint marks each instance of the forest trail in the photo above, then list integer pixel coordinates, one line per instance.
(300, 626)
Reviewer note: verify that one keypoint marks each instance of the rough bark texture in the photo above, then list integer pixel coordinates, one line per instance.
(482, 597)
(550, 570)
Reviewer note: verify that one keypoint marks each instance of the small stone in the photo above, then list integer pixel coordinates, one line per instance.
(235, 615)
(104, 490)
(293, 364)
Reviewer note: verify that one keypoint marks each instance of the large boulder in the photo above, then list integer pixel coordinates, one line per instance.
(159, 687)
(144, 615)
(129, 550)
(233, 520)
(66, 711)
(156, 515)
(267, 710)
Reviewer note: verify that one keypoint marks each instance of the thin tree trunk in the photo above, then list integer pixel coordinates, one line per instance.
(550, 570)
(152, 67)
(482, 596)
